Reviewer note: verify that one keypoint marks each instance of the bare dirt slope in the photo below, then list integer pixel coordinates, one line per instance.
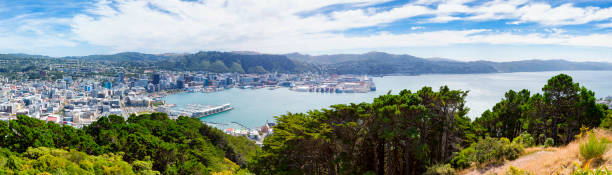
(558, 160)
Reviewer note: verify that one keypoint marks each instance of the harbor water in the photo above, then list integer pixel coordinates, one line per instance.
(253, 107)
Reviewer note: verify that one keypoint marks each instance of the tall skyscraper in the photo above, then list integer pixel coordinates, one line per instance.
(156, 79)
(120, 77)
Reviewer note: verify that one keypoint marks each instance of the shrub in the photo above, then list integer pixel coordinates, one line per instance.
(512, 151)
(488, 149)
(440, 169)
(606, 122)
(516, 171)
(492, 150)
(369, 173)
(587, 171)
(462, 159)
(524, 139)
(549, 142)
(583, 132)
(593, 148)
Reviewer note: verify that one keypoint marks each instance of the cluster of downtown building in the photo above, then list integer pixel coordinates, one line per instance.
(81, 101)
(606, 100)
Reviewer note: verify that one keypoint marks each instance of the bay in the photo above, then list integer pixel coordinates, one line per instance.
(253, 107)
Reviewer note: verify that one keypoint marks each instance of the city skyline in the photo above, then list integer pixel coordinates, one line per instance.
(458, 29)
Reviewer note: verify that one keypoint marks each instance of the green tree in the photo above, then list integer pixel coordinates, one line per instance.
(257, 70)
(561, 93)
(181, 146)
(236, 67)
(395, 134)
(218, 66)
(558, 114)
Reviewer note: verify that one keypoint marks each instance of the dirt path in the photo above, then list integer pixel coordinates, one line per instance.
(520, 162)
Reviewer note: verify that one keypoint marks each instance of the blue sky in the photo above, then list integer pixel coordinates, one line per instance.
(498, 30)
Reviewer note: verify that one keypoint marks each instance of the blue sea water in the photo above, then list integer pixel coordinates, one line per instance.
(253, 107)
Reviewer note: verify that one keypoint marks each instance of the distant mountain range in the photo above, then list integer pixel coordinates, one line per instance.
(213, 61)
(372, 63)
(380, 63)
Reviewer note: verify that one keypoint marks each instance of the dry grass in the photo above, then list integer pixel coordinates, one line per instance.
(553, 160)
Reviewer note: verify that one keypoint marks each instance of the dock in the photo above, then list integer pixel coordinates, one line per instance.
(199, 111)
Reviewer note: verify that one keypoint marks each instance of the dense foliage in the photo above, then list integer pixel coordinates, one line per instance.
(558, 113)
(440, 169)
(593, 147)
(57, 161)
(181, 146)
(487, 151)
(395, 134)
(408, 132)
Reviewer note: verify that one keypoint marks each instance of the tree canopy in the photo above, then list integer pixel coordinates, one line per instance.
(411, 131)
(181, 146)
(395, 134)
(558, 113)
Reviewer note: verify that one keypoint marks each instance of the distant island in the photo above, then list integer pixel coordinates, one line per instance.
(372, 63)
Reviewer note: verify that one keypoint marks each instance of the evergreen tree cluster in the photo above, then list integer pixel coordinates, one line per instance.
(395, 134)
(181, 146)
(44, 160)
(409, 132)
(558, 113)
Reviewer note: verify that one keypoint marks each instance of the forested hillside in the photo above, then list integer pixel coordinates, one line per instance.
(235, 62)
(426, 131)
(211, 61)
(145, 142)
(372, 63)
(380, 63)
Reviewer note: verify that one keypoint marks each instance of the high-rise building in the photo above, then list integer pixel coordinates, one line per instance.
(156, 79)
(108, 85)
(120, 77)
(180, 84)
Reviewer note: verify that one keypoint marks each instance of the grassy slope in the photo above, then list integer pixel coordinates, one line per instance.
(555, 160)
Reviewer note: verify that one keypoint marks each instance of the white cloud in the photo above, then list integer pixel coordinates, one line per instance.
(417, 28)
(211, 24)
(32, 44)
(498, 9)
(26, 33)
(278, 26)
(520, 10)
(275, 26)
(565, 14)
(442, 19)
(323, 42)
(605, 25)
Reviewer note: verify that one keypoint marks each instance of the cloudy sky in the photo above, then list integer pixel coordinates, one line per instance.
(497, 30)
